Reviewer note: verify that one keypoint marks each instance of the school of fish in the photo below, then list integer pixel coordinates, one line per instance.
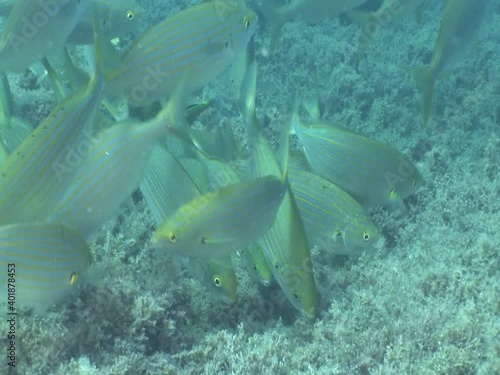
(62, 179)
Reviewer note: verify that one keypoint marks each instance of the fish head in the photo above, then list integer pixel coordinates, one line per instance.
(259, 269)
(305, 300)
(121, 18)
(244, 24)
(177, 239)
(297, 285)
(359, 235)
(404, 187)
(167, 237)
(224, 284)
(125, 16)
(82, 268)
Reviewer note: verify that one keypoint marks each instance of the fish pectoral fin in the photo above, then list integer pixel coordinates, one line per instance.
(215, 241)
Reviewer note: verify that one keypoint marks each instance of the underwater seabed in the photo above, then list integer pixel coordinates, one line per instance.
(425, 302)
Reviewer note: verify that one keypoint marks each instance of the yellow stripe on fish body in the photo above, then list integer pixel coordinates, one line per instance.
(37, 174)
(45, 261)
(34, 28)
(332, 218)
(217, 223)
(373, 172)
(109, 174)
(196, 44)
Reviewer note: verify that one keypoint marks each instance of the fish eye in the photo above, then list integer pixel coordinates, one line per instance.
(337, 233)
(217, 281)
(172, 237)
(247, 23)
(130, 15)
(295, 295)
(366, 236)
(73, 278)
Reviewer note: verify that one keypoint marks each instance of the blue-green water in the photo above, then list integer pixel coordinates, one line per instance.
(425, 301)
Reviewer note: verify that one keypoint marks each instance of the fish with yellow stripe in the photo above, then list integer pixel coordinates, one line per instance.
(194, 45)
(167, 185)
(38, 172)
(42, 262)
(110, 172)
(285, 246)
(372, 172)
(332, 218)
(221, 174)
(224, 220)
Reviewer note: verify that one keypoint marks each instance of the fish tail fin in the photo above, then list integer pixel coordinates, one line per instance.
(424, 75)
(276, 19)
